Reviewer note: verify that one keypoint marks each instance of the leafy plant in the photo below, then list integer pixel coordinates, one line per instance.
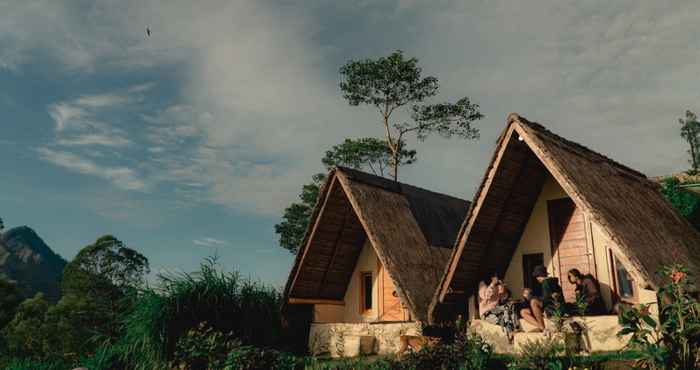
(253, 358)
(674, 341)
(203, 347)
(544, 354)
(469, 352)
(228, 304)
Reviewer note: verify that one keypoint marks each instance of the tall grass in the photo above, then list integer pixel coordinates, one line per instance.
(247, 309)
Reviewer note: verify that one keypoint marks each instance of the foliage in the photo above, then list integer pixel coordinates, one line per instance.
(30, 364)
(202, 347)
(246, 309)
(690, 131)
(466, 352)
(297, 216)
(9, 301)
(687, 203)
(253, 358)
(366, 153)
(24, 334)
(542, 354)
(674, 341)
(393, 82)
(107, 267)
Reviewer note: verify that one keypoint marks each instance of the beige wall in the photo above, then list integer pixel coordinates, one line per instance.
(350, 312)
(535, 237)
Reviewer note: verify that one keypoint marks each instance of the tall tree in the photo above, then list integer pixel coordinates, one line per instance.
(102, 276)
(690, 131)
(394, 82)
(363, 154)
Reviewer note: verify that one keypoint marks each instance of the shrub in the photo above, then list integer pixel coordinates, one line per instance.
(469, 353)
(674, 343)
(542, 354)
(203, 347)
(248, 310)
(253, 358)
(29, 364)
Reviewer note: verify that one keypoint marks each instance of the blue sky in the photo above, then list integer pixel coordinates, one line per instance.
(190, 142)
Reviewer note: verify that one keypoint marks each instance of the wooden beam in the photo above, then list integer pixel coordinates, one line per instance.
(335, 247)
(316, 301)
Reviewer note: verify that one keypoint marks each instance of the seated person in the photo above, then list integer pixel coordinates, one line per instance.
(588, 290)
(552, 296)
(494, 306)
(523, 308)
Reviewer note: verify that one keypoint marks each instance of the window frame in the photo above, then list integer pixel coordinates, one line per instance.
(363, 293)
(614, 263)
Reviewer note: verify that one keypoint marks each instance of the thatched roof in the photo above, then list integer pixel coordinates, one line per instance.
(411, 229)
(627, 206)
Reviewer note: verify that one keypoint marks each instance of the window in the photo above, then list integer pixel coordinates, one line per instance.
(529, 263)
(624, 285)
(366, 283)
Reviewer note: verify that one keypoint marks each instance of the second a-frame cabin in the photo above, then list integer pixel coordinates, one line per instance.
(545, 200)
(371, 259)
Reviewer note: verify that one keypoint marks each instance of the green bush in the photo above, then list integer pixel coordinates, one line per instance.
(29, 364)
(253, 358)
(468, 353)
(203, 347)
(674, 342)
(687, 203)
(248, 310)
(543, 354)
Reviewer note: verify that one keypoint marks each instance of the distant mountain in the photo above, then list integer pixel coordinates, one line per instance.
(27, 260)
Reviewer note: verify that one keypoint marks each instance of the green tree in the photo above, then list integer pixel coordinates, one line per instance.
(690, 131)
(2, 225)
(10, 299)
(392, 83)
(102, 276)
(362, 154)
(687, 203)
(366, 153)
(25, 333)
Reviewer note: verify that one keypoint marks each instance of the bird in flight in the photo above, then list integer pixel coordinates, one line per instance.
(148, 31)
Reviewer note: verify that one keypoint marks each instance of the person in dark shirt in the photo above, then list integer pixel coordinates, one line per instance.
(588, 291)
(551, 298)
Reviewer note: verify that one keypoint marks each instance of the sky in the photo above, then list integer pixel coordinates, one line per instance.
(190, 142)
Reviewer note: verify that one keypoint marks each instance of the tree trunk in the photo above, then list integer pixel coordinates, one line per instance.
(393, 146)
(396, 166)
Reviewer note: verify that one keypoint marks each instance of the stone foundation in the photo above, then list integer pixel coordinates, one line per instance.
(601, 334)
(343, 339)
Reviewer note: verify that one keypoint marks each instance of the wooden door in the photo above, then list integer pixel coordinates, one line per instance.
(392, 310)
(567, 231)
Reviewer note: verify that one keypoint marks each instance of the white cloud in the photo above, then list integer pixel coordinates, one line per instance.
(65, 115)
(209, 242)
(101, 100)
(258, 100)
(94, 139)
(122, 177)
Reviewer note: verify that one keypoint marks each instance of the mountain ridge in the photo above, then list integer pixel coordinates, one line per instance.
(27, 260)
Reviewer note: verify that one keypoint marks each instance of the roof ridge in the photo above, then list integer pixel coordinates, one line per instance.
(574, 145)
(389, 184)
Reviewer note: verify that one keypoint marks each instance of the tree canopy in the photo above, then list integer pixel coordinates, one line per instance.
(366, 153)
(690, 131)
(393, 82)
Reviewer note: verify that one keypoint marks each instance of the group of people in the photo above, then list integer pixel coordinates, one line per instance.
(497, 306)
